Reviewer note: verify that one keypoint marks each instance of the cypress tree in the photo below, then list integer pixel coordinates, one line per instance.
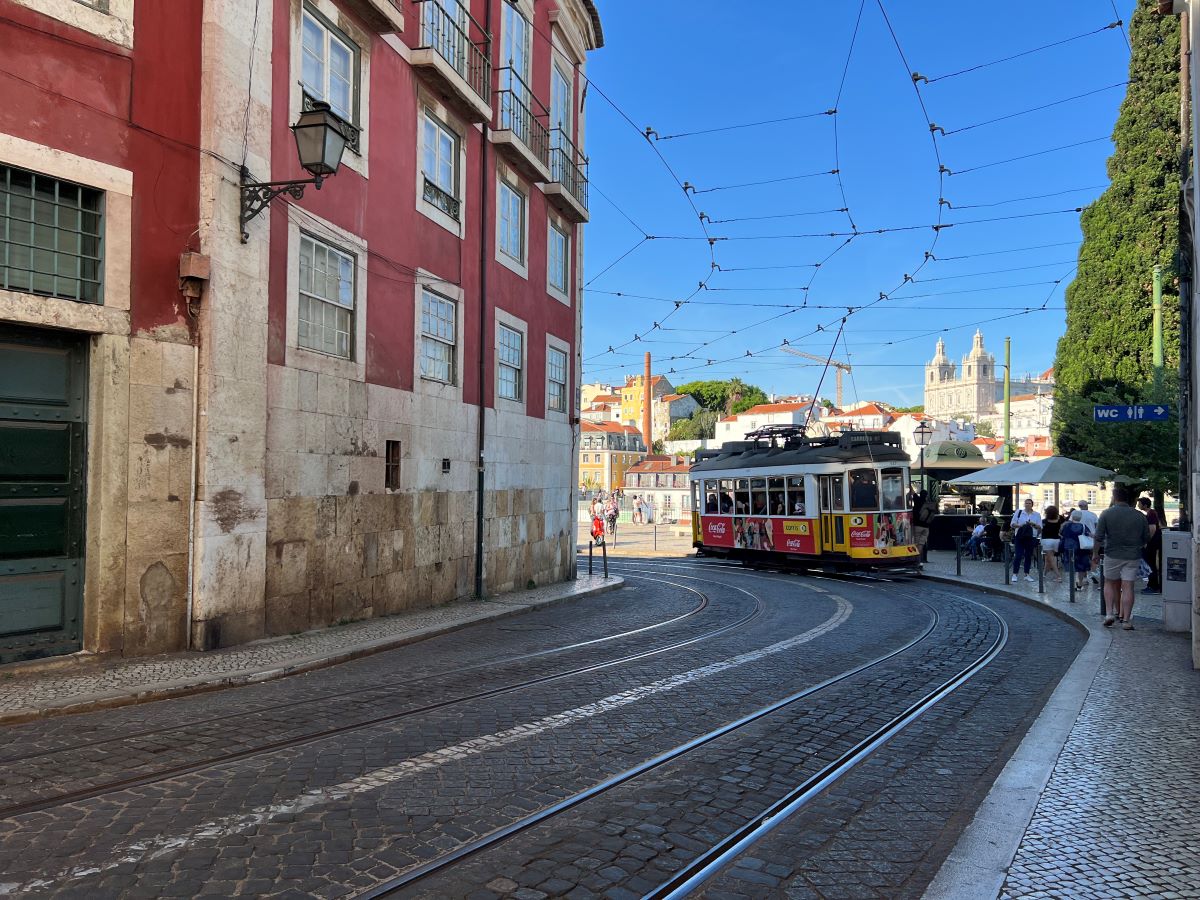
(1105, 354)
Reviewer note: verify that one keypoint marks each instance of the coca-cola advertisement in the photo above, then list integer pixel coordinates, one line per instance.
(759, 533)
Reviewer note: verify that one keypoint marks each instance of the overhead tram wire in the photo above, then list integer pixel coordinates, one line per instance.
(837, 155)
(683, 134)
(1093, 187)
(1124, 33)
(732, 187)
(1001, 162)
(1009, 250)
(1025, 112)
(918, 77)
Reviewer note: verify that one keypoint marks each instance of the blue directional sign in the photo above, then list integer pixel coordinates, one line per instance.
(1133, 412)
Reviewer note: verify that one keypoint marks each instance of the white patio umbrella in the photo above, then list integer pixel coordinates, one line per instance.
(1063, 470)
(1003, 474)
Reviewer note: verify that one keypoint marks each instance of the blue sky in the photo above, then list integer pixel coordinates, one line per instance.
(680, 66)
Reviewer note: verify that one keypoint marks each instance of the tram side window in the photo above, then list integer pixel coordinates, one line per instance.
(893, 489)
(726, 496)
(741, 497)
(776, 499)
(864, 490)
(758, 496)
(795, 496)
(710, 497)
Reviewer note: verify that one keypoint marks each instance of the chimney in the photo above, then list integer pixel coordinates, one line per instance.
(646, 410)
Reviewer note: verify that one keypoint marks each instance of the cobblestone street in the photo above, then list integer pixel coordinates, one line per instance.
(598, 747)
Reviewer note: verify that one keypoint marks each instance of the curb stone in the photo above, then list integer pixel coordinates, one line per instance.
(302, 663)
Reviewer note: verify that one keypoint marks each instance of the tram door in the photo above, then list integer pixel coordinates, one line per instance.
(833, 525)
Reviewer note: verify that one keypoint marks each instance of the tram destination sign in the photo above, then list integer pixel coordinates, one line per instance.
(1132, 412)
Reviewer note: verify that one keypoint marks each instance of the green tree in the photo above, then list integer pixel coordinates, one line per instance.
(1105, 354)
(985, 429)
(920, 407)
(701, 425)
(726, 397)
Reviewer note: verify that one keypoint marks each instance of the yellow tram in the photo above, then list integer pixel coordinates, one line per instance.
(837, 502)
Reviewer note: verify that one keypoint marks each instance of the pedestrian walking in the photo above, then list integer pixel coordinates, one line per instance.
(611, 511)
(1026, 527)
(1052, 524)
(1072, 540)
(1153, 552)
(1123, 533)
(923, 511)
(1090, 522)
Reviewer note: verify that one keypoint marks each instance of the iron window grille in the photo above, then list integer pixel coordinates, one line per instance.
(331, 71)
(326, 308)
(391, 465)
(511, 353)
(438, 337)
(440, 153)
(51, 236)
(556, 374)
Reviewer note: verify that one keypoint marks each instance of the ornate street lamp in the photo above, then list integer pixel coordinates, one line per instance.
(922, 434)
(320, 142)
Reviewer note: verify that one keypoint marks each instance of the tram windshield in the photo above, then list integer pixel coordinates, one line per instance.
(864, 490)
(893, 489)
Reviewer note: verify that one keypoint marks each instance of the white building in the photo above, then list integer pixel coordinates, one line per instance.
(735, 428)
(973, 391)
(906, 425)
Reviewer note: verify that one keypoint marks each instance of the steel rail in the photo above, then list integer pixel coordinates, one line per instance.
(407, 878)
(709, 863)
(380, 687)
(60, 799)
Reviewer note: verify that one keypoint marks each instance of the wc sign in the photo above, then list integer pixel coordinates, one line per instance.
(1133, 412)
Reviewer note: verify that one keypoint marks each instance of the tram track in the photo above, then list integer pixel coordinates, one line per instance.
(93, 791)
(708, 863)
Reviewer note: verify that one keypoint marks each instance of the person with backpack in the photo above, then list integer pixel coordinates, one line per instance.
(1026, 526)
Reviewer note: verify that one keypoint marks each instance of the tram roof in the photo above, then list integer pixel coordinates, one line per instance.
(794, 450)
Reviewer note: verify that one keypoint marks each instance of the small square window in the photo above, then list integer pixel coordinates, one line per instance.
(445, 466)
(391, 466)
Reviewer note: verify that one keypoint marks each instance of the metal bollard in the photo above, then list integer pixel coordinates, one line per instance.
(958, 554)
(1071, 574)
(604, 556)
(656, 535)
(1006, 558)
(590, 545)
(1100, 570)
(1041, 561)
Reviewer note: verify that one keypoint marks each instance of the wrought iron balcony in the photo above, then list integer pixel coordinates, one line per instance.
(568, 185)
(521, 125)
(443, 200)
(455, 51)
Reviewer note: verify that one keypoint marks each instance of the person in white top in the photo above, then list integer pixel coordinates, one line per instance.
(1089, 520)
(1027, 528)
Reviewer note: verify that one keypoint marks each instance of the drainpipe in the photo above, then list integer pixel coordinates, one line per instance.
(192, 484)
(483, 314)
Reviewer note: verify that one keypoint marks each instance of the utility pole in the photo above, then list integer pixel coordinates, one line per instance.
(1007, 398)
(1157, 338)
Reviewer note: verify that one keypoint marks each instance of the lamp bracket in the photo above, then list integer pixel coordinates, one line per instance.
(257, 196)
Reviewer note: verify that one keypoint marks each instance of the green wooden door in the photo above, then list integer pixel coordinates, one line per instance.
(43, 392)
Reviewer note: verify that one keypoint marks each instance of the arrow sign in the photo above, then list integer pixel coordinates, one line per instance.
(1136, 412)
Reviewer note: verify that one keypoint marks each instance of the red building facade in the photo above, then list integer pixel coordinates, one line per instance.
(367, 401)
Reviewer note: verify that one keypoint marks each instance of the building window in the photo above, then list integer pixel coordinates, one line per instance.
(326, 308)
(391, 466)
(512, 359)
(512, 223)
(556, 374)
(50, 236)
(438, 337)
(1091, 496)
(556, 260)
(329, 66)
(440, 154)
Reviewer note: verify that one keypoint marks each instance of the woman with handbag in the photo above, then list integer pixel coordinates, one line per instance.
(1026, 526)
(1076, 538)
(1052, 524)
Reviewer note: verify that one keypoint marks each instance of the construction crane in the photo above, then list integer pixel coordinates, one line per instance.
(841, 367)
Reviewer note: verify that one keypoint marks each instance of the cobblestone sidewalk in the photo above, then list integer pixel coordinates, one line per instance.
(32, 694)
(1099, 799)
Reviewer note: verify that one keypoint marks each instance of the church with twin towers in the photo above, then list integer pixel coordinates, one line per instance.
(972, 390)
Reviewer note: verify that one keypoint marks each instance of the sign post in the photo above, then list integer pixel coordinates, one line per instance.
(1133, 412)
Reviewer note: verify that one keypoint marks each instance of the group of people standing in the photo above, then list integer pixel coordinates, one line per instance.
(608, 510)
(1118, 541)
